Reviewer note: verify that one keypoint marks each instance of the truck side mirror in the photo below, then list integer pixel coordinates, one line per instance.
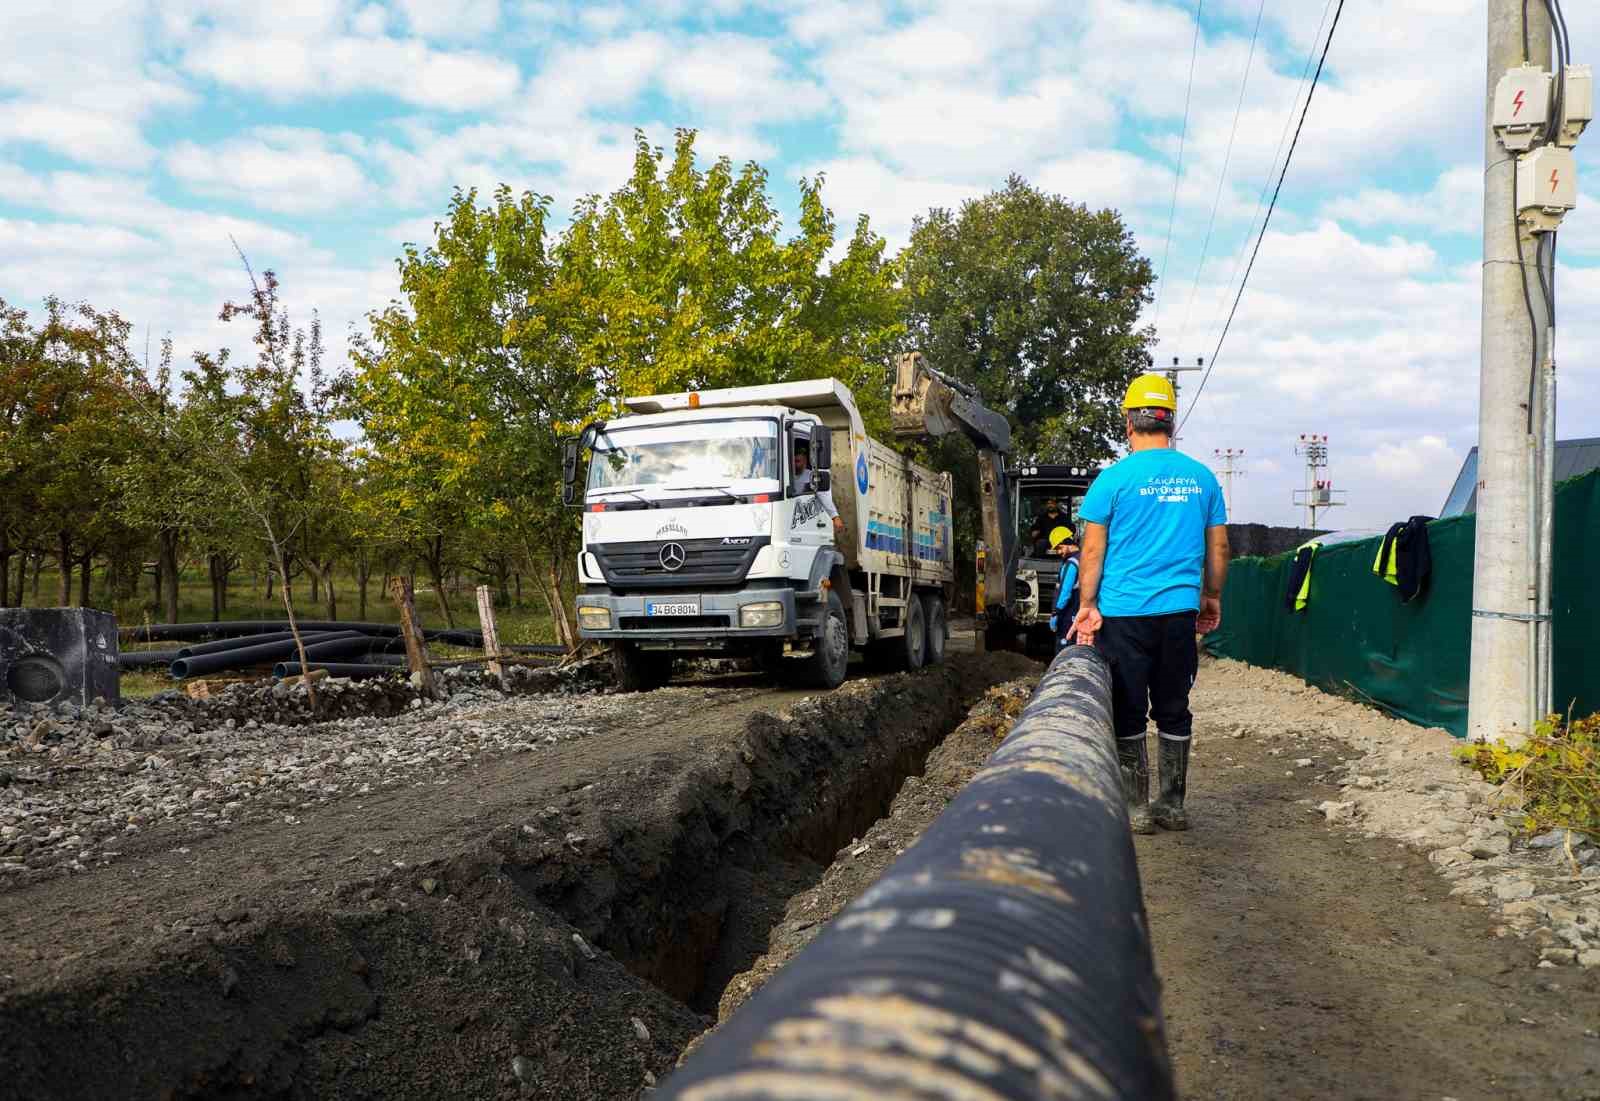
(569, 471)
(822, 480)
(821, 449)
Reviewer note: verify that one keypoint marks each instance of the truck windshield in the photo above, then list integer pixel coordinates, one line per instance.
(692, 454)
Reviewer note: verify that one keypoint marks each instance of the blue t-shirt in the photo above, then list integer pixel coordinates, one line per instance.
(1156, 505)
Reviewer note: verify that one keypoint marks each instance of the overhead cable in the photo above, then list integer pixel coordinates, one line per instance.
(1254, 252)
(1194, 50)
(1222, 177)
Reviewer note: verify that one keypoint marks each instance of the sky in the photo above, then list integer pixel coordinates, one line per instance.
(140, 138)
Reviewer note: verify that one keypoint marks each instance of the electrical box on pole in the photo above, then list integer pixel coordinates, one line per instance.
(1522, 107)
(1547, 187)
(1577, 104)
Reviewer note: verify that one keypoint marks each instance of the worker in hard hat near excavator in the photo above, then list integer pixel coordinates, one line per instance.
(1153, 560)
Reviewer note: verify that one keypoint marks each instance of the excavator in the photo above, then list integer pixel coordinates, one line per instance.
(1015, 582)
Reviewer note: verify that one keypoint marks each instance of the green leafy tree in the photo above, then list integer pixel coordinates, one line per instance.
(684, 281)
(1034, 300)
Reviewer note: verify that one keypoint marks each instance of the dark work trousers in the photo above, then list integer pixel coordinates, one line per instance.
(1153, 663)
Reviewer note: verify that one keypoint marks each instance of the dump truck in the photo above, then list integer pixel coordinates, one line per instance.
(700, 537)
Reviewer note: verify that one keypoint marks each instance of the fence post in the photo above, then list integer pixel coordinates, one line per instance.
(416, 646)
(491, 634)
(1004, 956)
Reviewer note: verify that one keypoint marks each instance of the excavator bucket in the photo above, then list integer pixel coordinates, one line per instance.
(928, 403)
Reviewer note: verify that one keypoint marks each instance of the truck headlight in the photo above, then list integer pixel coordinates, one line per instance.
(594, 619)
(766, 614)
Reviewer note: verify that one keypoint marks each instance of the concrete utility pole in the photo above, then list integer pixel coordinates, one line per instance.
(1319, 492)
(1225, 457)
(1172, 377)
(1504, 594)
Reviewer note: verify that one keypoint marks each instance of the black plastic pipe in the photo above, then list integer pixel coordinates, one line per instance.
(147, 659)
(456, 636)
(1004, 956)
(246, 655)
(231, 643)
(352, 670)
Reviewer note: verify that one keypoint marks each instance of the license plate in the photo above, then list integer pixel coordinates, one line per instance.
(681, 608)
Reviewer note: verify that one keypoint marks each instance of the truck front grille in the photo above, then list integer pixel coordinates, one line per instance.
(672, 622)
(706, 563)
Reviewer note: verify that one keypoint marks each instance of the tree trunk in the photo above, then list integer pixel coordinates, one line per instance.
(502, 576)
(435, 556)
(86, 567)
(38, 572)
(167, 565)
(64, 541)
(212, 563)
(316, 584)
(517, 576)
(333, 594)
(567, 634)
(272, 579)
(5, 565)
(363, 576)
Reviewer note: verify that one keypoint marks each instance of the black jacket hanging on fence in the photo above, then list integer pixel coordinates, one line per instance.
(1404, 559)
(1297, 594)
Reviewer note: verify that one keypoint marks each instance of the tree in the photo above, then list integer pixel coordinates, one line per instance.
(684, 282)
(1034, 300)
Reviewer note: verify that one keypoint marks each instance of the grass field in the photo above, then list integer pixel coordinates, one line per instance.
(521, 624)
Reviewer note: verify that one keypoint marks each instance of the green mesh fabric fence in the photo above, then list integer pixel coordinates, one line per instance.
(1356, 638)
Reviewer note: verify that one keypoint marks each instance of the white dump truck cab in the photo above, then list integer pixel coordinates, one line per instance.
(709, 528)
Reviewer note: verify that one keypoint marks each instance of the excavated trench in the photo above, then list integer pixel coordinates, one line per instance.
(571, 955)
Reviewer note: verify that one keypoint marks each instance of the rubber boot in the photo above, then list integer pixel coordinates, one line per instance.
(1133, 759)
(1168, 810)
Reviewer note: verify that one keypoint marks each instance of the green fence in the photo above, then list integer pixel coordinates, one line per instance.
(1355, 636)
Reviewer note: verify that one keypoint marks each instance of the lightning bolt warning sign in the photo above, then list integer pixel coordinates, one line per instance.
(1518, 102)
(1555, 179)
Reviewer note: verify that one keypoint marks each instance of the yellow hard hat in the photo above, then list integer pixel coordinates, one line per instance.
(1060, 535)
(1151, 392)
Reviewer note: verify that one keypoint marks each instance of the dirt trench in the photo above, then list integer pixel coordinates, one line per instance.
(556, 935)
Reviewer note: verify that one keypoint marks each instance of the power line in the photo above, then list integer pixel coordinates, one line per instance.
(1194, 50)
(1265, 222)
(1283, 136)
(1222, 178)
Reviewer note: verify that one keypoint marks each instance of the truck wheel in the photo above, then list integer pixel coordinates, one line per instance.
(826, 666)
(915, 643)
(639, 670)
(937, 628)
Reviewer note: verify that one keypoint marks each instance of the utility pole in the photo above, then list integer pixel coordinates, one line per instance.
(1172, 377)
(1504, 591)
(1226, 456)
(1319, 491)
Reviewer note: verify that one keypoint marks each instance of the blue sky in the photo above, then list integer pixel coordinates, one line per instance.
(137, 136)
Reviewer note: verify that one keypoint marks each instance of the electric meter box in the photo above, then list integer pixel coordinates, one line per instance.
(1577, 107)
(1547, 187)
(1521, 107)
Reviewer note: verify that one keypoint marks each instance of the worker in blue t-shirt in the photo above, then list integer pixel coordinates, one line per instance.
(1155, 554)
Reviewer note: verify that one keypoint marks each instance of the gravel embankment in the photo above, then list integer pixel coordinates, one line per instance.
(79, 788)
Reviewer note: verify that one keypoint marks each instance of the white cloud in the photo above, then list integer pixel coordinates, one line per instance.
(283, 169)
(452, 18)
(288, 68)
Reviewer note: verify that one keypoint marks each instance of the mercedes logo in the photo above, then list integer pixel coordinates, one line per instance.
(672, 556)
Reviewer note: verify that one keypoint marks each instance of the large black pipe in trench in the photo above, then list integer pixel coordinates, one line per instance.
(232, 643)
(244, 656)
(1004, 956)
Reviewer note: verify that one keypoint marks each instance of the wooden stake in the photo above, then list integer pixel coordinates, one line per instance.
(491, 634)
(416, 647)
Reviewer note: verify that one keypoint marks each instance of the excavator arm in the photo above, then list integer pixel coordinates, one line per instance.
(928, 404)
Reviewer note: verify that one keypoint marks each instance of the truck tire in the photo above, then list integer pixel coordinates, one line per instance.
(914, 645)
(639, 670)
(937, 628)
(826, 666)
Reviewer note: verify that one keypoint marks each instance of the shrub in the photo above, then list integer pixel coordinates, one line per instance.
(1554, 776)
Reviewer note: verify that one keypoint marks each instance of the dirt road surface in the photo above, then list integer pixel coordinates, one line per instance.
(1303, 960)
